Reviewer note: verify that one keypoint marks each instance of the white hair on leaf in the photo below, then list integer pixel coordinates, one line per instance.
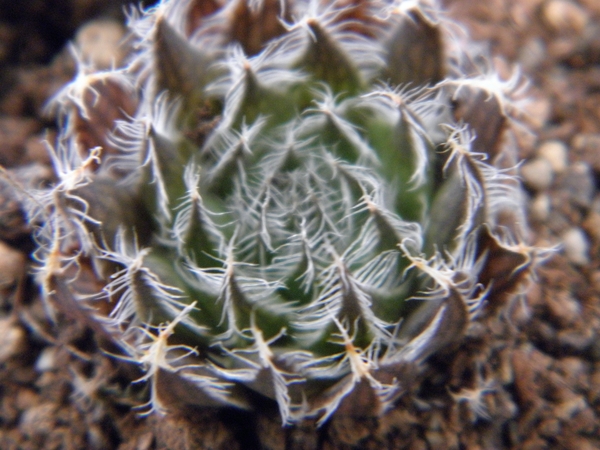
(154, 354)
(74, 93)
(327, 109)
(260, 363)
(354, 49)
(353, 365)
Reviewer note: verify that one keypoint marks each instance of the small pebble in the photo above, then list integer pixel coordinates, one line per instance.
(537, 174)
(12, 339)
(591, 225)
(568, 408)
(575, 341)
(575, 372)
(578, 181)
(27, 398)
(533, 53)
(564, 16)
(554, 152)
(539, 111)
(47, 360)
(38, 421)
(595, 207)
(549, 427)
(563, 309)
(585, 148)
(576, 246)
(101, 43)
(540, 207)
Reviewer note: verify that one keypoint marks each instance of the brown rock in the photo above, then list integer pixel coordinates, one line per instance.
(563, 16)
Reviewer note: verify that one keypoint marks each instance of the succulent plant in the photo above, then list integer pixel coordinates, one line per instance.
(280, 199)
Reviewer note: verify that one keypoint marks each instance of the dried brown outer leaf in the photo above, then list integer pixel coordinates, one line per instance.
(357, 17)
(503, 270)
(357, 416)
(253, 29)
(61, 297)
(193, 428)
(198, 11)
(436, 325)
(415, 53)
(452, 326)
(106, 102)
(176, 393)
(361, 402)
(106, 200)
(485, 118)
(358, 399)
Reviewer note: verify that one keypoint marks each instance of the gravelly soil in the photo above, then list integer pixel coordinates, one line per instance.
(527, 377)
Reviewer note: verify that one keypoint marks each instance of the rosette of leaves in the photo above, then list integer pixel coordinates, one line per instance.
(285, 200)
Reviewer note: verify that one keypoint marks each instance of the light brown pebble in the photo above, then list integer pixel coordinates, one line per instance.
(585, 147)
(532, 53)
(572, 442)
(538, 111)
(540, 207)
(594, 392)
(595, 281)
(537, 174)
(38, 421)
(591, 225)
(555, 152)
(563, 308)
(27, 398)
(570, 406)
(578, 182)
(435, 439)
(575, 372)
(534, 443)
(575, 340)
(12, 339)
(46, 360)
(576, 246)
(564, 16)
(100, 43)
(549, 427)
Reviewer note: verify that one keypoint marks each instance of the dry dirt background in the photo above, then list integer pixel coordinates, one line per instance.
(527, 378)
